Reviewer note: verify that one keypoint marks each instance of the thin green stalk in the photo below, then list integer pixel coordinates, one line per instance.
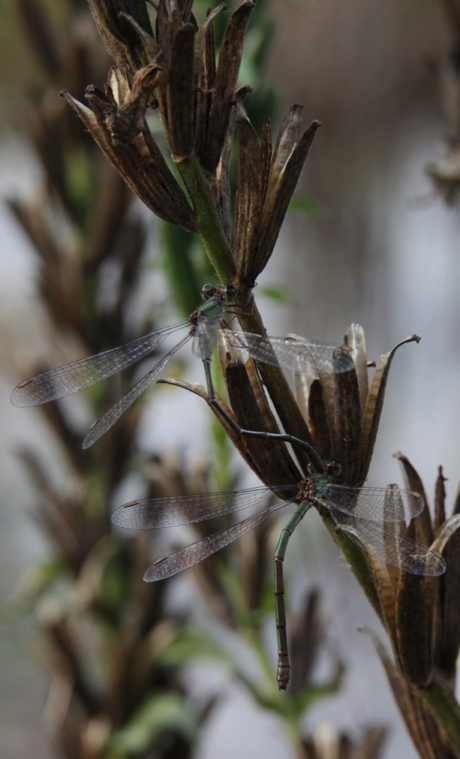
(209, 227)
(445, 708)
(220, 254)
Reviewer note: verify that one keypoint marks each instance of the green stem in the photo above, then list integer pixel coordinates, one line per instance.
(220, 254)
(209, 226)
(445, 708)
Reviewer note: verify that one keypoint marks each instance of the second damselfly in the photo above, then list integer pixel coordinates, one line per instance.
(364, 514)
(204, 327)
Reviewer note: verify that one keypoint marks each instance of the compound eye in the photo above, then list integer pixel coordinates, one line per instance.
(207, 291)
(333, 469)
(230, 292)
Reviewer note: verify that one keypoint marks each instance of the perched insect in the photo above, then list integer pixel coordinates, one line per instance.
(362, 512)
(204, 326)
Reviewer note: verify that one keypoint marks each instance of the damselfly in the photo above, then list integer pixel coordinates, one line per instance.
(204, 326)
(361, 512)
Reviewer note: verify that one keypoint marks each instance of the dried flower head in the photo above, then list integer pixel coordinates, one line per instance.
(174, 69)
(422, 618)
(339, 405)
(267, 179)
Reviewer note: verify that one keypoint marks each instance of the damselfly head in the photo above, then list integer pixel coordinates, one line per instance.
(207, 291)
(332, 468)
(225, 292)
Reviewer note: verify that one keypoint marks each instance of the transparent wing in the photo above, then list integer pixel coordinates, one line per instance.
(292, 352)
(77, 375)
(393, 548)
(173, 511)
(107, 420)
(193, 554)
(377, 504)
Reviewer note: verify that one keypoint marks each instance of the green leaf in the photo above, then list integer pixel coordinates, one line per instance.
(189, 645)
(293, 707)
(159, 714)
(314, 693)
(115, 582)
(180, 267)
(80, 180)
(302, 204)
(267, 601)
(277, 294)
(33, 585)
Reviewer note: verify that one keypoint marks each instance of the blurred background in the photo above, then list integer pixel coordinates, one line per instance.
(379, 248)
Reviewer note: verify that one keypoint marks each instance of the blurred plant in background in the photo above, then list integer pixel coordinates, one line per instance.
(422, 620)
(116, 652)
(445, 174)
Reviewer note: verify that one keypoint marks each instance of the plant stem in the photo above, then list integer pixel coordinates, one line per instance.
(220, 254)
(210, 228)
(445, 708)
